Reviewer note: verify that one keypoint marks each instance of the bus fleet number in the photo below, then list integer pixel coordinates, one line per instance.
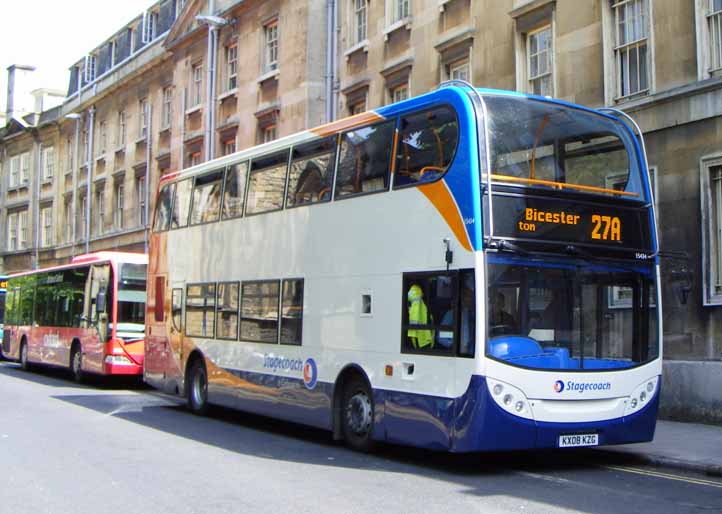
(606, 228)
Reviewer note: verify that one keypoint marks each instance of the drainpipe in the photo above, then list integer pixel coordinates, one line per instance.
(329, 60)
(36, 197)
(214, 23)
(88, 197)
(76, 157)
(183, 130)
(149, 124)
(334, 70)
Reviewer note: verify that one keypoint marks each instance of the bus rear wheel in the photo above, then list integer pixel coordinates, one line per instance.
(76, 365)
(24, 362)
(198, 388)
(357, 412)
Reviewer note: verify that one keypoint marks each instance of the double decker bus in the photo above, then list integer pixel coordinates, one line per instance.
(468, 270)
(3, 289)
(87, 316)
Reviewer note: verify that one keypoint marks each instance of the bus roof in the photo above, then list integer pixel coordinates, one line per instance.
(344, 124)
(89, 258)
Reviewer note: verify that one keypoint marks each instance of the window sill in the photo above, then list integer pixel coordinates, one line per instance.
(633, 96)
(193, 110)
(100, 157)
(141, 140)
(361, 46)
(404, 23)
(164, 131)
(442, 5)
(228, 94)
(269, 75)
(120, 149)
(47, 182)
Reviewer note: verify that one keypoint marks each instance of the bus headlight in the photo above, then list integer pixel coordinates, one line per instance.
(641, 395)
(117, 359)
(512, 400)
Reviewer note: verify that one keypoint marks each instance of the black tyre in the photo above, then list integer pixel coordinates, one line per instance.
(24, 362)
(76, 364)
(357, 415)
(197, 388)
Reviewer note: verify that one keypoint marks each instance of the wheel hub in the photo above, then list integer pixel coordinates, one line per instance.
(359, 413)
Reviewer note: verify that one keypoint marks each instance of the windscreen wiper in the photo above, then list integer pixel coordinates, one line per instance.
(503, 245)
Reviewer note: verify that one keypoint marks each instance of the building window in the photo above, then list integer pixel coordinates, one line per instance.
(229, 146)
(89, 68)
(197, 85)
(271, 46)
(399, 93)
(539, 61)
(12, 232)
(100, 206)
(714, 24)
(68, 219)
(121, 128)
(460, 70)
(82, 212)
(232, 67)
(69, 155)
(357, 107)
(102, 137)
(359, 21)
(48, 163)
(194, 158)
(143, 118)
(399, 10)
(25, 168)
(46, 217)
(23, 229)
(119, 195)
(140, 192)
(150, 26)
(14, 171)
(711, 171)
(268, 133)
(167, 111)
(631, 32)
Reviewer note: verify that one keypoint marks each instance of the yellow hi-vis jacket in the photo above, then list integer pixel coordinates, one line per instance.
(419, 315)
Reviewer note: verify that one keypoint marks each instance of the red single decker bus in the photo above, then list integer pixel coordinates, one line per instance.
(88, 316)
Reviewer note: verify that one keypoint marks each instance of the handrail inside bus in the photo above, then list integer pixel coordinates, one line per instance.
(560, 185)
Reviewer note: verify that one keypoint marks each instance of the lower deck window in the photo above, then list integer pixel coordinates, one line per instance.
(200, 310)
(259, 311)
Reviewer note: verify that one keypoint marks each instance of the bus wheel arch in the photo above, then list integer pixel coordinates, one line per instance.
(353, 388)
(196, 383)
(76, 360)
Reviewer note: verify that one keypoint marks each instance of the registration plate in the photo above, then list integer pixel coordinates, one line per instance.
(570, 441)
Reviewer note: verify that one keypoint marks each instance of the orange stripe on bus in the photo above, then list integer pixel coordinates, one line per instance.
(347, 123)
(439, 195)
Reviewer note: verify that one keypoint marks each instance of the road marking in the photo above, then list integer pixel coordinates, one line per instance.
(698, 481)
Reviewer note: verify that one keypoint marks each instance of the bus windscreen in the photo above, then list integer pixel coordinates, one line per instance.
(552, 146)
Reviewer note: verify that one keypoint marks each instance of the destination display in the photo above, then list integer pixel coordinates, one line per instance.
(564, 221)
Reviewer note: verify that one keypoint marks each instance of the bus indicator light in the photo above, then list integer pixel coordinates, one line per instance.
(389, 370)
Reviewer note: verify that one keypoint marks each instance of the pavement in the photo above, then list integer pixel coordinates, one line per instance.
(687, 446)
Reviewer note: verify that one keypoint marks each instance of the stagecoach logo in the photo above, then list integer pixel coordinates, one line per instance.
(310, 373)
(581, 387)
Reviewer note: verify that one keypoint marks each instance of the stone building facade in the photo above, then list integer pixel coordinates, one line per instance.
(189, 80)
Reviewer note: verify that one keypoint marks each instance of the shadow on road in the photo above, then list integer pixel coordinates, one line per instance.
(572, 479)
(61, 377)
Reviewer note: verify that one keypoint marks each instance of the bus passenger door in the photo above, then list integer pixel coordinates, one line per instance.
(97, 294)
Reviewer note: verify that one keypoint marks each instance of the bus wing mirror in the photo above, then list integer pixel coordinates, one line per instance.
(100, 301)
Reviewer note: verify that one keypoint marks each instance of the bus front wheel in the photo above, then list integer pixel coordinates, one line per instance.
(357, 415)
(198, 388)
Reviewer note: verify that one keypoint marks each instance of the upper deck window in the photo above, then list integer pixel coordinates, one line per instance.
(546, 145)
(365, 160)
